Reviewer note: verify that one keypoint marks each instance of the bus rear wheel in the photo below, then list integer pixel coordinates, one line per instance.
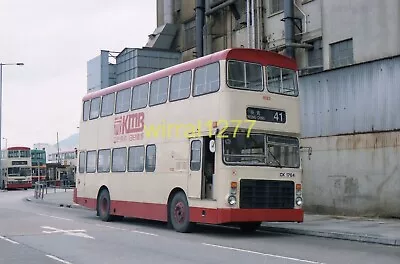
(103, 206)
(179, 213)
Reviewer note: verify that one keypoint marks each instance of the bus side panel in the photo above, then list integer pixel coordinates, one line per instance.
(148, 211)
(18, 185)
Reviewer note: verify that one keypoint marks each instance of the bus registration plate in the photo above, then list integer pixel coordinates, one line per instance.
(266, 115)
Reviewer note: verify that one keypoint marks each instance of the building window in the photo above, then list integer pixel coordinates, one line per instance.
(94, 108)
(136, 159)
(119, 160)
(180, 86)
(275, 6)
(103, 160)
(107, 105)
(315, 55)
(206, 79)
(158, 91)
(151, 158)
(342, 53)
(140, 95)
(123, 101)
(91, 161)
(195, 155)
(190, 34)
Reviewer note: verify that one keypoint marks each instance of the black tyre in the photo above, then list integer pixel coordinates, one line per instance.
(179, 213)
(103, 206)
(249, 227)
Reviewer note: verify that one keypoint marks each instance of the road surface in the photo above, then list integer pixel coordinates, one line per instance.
(40, 233)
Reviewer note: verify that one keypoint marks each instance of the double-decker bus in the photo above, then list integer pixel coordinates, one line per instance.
(16, 168)
(38, 159)
(213, 140)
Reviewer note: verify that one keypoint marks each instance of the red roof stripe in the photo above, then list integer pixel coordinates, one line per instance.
(18, 148)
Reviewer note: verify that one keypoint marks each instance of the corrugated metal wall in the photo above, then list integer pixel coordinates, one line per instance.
(356, 99)
(132, 63)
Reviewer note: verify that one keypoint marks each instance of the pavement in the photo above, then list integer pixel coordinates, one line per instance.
(44, 232)
(378, 231)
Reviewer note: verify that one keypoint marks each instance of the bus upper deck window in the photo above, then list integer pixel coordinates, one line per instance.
(245, 75)
(282, 81)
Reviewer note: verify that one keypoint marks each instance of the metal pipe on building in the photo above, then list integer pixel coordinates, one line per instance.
(259, 24)
(288, 7)
(200, 17)
(253, 25)
(248, 22)
(168, 11)
(216, 3)
(219, 7)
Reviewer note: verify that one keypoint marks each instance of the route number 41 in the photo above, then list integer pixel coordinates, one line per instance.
(278, 116)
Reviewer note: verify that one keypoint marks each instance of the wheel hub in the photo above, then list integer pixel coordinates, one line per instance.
(180, 212)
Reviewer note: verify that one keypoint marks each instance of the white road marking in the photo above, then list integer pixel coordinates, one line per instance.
(58, 259)
(144, 233)
(112, 227)
(9, 240)
(264, 254)
(56, 217)
(77, 232)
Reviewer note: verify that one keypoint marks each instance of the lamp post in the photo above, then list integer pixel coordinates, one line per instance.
(1, 106)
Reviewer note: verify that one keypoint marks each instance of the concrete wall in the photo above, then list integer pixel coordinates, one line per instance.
(353, 175)
(373, 25)
(358, 173)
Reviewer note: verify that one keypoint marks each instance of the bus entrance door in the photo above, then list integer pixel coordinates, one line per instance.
(195, 179)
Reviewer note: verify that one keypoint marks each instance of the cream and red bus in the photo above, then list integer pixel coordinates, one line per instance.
(213, 140)
(16, 167)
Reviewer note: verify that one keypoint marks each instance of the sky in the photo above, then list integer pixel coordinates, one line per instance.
(55, 39)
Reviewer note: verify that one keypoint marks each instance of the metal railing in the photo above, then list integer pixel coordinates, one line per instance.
(42, 187)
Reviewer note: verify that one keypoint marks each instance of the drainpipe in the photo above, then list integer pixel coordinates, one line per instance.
(289, 29)
(168, 12)
(200, 9)
(253, 25)
(259, 23)
(248, 22)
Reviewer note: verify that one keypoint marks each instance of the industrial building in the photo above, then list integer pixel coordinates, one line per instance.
(348, 54)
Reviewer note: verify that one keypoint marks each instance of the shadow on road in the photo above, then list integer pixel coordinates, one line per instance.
(205, 229)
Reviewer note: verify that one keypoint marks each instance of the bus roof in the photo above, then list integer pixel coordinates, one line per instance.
(18, 148)
(244, 54)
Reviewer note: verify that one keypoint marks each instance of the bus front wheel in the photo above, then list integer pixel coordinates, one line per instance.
(103, 206)
(179, 213)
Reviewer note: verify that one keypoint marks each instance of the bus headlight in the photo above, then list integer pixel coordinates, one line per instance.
(299, 201)
(232, 200)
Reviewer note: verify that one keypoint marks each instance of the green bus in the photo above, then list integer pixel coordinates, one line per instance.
(38, 157)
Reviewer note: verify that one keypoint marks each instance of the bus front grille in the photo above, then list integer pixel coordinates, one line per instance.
(263, 194)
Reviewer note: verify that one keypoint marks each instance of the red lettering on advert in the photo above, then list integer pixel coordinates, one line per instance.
(129, 127)
(128, 124)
